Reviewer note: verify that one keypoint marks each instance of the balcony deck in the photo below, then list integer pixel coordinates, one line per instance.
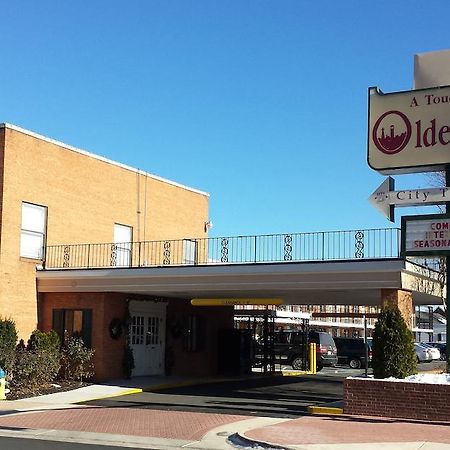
(270, 248)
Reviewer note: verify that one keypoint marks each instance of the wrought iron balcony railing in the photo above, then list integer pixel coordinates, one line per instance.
(317, 246)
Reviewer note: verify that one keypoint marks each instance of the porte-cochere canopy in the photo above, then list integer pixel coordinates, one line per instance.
(342, 267)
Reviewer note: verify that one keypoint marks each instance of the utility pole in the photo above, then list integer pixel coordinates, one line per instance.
(447, 273)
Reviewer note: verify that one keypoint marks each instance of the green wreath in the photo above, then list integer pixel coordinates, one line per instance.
(115, 328)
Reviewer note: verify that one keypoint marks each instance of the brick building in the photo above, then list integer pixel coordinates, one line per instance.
(52, 193)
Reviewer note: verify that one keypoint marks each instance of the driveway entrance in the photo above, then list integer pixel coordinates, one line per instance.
(269, 396)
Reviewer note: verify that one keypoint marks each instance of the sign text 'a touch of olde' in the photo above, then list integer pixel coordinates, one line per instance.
(409, 131)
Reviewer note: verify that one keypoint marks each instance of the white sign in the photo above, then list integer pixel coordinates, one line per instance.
(385, 197)
(426, 236)
(409, 131)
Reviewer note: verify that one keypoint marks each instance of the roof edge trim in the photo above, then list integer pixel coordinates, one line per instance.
(100, 158)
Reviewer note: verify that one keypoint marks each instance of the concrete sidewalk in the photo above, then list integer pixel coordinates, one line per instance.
(59, 417)
(70, 399)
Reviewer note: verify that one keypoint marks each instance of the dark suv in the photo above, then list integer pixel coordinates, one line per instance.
(352, 351)
(289, 348)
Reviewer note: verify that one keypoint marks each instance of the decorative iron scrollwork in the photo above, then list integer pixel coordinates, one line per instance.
(166, 253)
(359, 244)
(113, 254)
(288, 247)
(66, 256)
(224, 250)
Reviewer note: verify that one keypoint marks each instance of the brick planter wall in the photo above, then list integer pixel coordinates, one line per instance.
(397, 399)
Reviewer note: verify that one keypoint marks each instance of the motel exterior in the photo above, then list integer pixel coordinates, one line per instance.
(98, 249)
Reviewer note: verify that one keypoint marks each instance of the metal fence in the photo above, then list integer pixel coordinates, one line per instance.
(316, 246)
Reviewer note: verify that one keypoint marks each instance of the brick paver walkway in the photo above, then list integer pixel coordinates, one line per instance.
(350, 429)
(126, 421)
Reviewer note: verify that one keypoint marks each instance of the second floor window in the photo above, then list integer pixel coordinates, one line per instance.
(32, 236)
(189, 252)
(123, 236)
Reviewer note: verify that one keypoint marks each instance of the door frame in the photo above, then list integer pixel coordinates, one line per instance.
(149, 308)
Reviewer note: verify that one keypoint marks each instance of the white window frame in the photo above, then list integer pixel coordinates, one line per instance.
(123, 247)
(33, 231)
(189, 251)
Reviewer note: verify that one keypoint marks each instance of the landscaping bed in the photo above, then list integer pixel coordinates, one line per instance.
(47, 388)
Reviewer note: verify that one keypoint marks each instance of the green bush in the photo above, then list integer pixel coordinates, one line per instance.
(38, 363)
(34, 368)
(76, 360)
(8, 340)
(45, 341)
(393, 352)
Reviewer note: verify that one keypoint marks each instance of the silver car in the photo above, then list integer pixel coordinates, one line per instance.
(423, 354)
(435, 353)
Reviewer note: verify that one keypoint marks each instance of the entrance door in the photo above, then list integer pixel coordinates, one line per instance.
(123, 236)
(147, 337)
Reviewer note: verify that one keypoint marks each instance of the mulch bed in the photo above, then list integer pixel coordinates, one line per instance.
(17, 393)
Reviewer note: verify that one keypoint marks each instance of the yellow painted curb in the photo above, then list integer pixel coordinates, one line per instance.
(117, 394)
(130, 391)
(324, 410)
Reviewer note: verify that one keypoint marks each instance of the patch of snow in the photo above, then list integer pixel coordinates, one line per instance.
(428, 378)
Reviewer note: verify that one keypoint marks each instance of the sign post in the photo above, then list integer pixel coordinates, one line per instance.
(447, 274)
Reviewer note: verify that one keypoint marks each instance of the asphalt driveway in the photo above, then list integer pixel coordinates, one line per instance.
(276, 396)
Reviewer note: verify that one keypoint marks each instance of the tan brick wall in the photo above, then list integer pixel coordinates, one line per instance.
(401, 299)
(395, 399)
(2, 143)
(85, 196)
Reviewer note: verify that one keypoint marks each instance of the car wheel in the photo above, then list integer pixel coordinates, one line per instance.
(355, 363)
(297, 363)
(418, 360)
(319, 367)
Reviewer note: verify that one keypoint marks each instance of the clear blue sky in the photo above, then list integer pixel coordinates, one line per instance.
(263, 104)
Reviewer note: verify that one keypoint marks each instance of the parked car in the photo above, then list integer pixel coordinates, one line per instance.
(352, 351)
(435, 352)
(442, 347)
(423, 354)
(289, 348)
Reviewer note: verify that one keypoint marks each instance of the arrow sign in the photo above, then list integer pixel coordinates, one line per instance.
(385, 198)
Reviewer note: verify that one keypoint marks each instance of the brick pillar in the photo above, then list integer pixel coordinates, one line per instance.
(401, 299)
